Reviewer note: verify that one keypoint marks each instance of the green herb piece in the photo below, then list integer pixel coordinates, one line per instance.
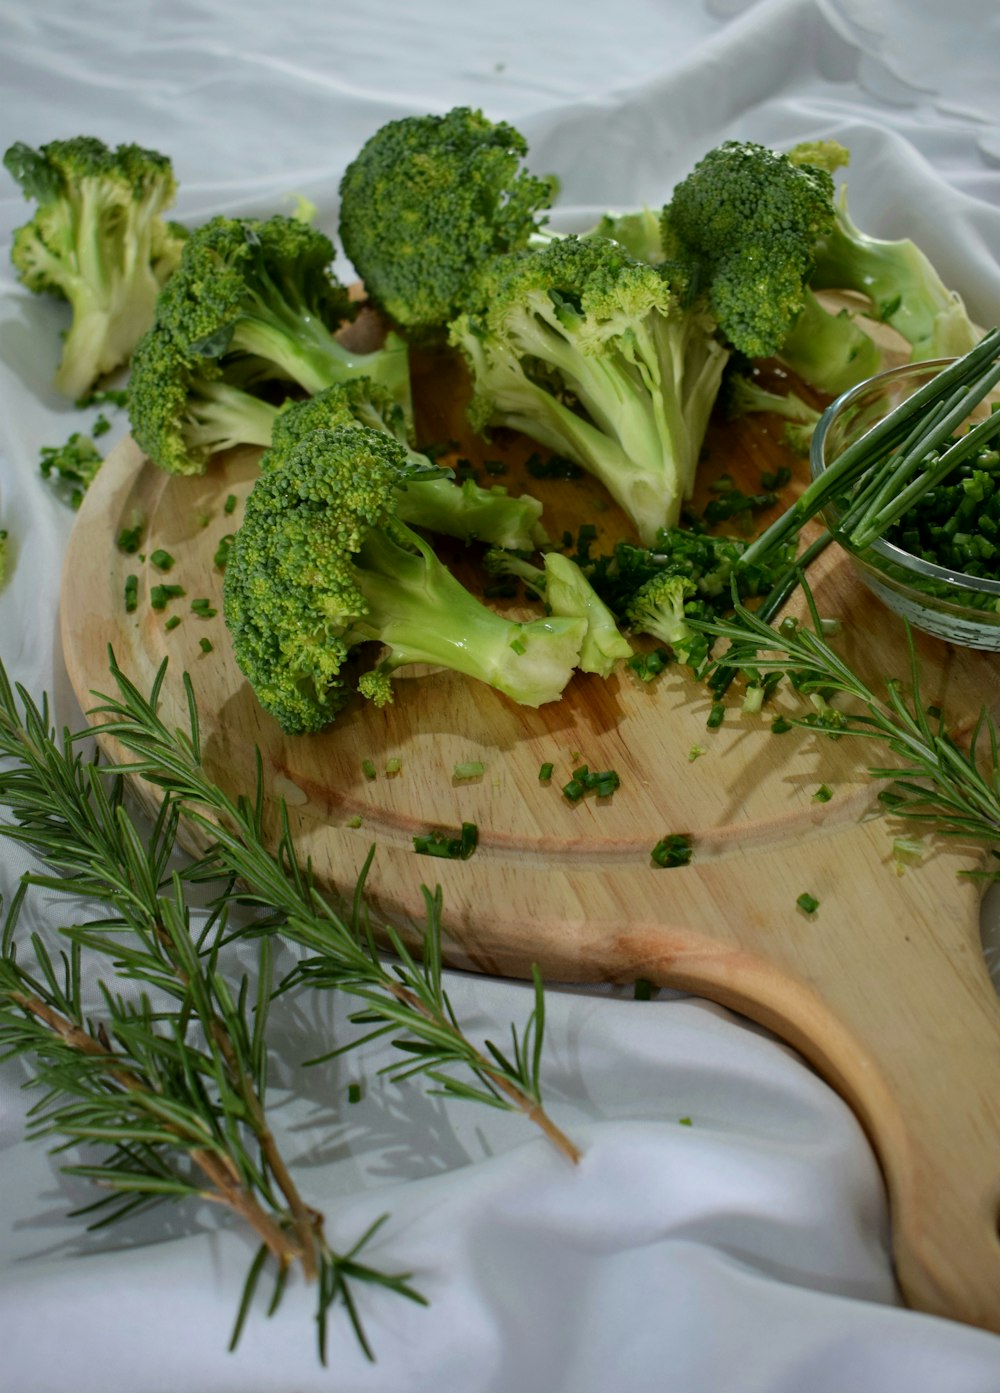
(519, 647)
(131, 593)
(823, 794)
(230, 503)
(71, 467)
(649, 665)
(673, 851)
(807, 903)
(100, 427)
(393, 766)
(203, 608)
(643, 989)
(354, 1094)
(161, 559)
(780, 725)
(545, 772)
(585, 780)
(468, 770)
(716, 715)
(368, 769)
(161, 595)
(222, 551)
(696, 751)
(130, 539)
(354, 822)
(448, 846)
(205, 644)
(172, 622)
(685, 1122)
(114, 396)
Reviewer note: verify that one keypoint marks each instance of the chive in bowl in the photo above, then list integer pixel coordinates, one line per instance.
(965, 609)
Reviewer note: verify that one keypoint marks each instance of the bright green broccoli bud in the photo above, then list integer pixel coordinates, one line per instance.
(427, 202)
(599, 357)
(322, 564)
(568, 594)
(98, 240)
(260, 300)
(431, 497)
(658, 608)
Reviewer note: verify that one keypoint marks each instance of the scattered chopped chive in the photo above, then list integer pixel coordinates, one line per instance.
(673, 850)
(934, 712)
(354, 1093)
(585, 781)
(368, 769)
(545, 773)
(716, 716)
(779, 726)
(685, 1122)
(393, 766)
(354, 821)
(229, 504)
(112, 396)
(807, 903)
(753, 700)
(161, 559)
(205, 644)
(823, 794)
(831, 625)
(222, 550)
(574, 790)
(643, 990)
(100, 427)
(160, 595)
(203, 608)
(448, 846)
(131, 593)
(695, 752)
(470, 769)
(130, 539)
(518, 646)
(494, 467)
(776, 480)
(172, 622)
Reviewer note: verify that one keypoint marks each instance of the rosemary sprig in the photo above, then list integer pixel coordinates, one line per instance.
(937, 781)
(405, 994)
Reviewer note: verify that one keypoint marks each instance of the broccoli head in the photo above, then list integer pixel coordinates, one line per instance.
(322, 563)
(98, 240)
(431, 497)
(260, 298)
(427, 202)
(748, 220)
(605, 359)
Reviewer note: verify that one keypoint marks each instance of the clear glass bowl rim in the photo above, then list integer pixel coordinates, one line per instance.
(905, 560)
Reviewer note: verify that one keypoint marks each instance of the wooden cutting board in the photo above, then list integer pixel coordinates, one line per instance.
(883, 989)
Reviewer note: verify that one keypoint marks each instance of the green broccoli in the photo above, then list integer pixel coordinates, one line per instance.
(427, 203)
(568, 594)
(659, 608)
(183, 408)
(322, 564)
(431, 497)
(903, 287)
(98, 240)
(603, 359)
(747, 220)
(742, 394)
(259, 299)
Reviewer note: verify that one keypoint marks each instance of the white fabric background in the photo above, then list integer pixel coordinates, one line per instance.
(747, 1252)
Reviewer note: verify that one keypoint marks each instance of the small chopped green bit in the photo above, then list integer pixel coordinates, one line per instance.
(229, 504)
(204, 609)
(100, 427)
(131, 593)
(586, 781)
(354, 821)
(545, 773)
(112, 396)
(223, 549)
(673, 850)
(161, 559)
(205, 644)
(695, 752)
(172, 622)
(448, 846)
(685, 1122)
(161, 595)
(393, 766)
(130, 539)
(643, 989)
(354, 1093)
(368, 769)
(823, 794)
(649, 665)
(72, 467)
(779, 726)
(519, 647)
(716, 716)
(470, 769)
(807, 903)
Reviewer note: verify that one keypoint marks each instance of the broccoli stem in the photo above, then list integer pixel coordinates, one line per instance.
(424, 615)
(221, 416)
(829, 351)
(471, 513)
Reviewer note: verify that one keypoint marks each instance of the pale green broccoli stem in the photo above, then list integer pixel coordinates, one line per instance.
(220, 416)
(424, 615)
(470, 513)
(829, 350)
(902, 284)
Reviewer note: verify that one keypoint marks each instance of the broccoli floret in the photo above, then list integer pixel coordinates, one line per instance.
(748, 219)
(658, 608)
(184, 409)
(98, 240)
(427, 203)
(568, 594)
(742, 394)
(431, 497)
(601, 358)
(322, 564)
(260, 299)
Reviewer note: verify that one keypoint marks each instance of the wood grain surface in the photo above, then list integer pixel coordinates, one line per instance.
(883, 989)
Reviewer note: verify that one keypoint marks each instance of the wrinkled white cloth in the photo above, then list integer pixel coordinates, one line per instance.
(727, 1228)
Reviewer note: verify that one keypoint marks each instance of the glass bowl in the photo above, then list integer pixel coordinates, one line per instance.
(964, 609)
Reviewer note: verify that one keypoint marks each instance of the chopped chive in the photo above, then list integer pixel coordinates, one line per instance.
(519, 647)
(807, 903)
(716, 716)
(205, 644)
(172, 622)
(643, 989)
(222, 550)
(470, 769)
(779, 726)
(229, 504)
(684, 1122)
(823, 794)
(574, 790)
(161, 559)
(545, 773)
(160, 595)
(393, 766)
(695, 752)
(354, 821)
(673, 850)
(131, 593)
(354, 1093)
(203, 608)
(368, 769)
(448, 846)
(130, 539)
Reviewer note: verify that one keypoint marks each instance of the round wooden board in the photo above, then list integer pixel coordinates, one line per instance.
(884, 989)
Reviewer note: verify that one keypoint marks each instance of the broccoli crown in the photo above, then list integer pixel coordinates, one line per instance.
(183, 409)
(427, 202)
(98, 240)
(748, 218)
(321, 563)
(601, 357)
(357, 402)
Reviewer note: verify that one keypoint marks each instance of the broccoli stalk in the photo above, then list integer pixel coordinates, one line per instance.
(568, 594)
(99, 241)
(743, 394)
(427, 203)
(260, 298)
(594, 354)
(322, 564)
(431, 498)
